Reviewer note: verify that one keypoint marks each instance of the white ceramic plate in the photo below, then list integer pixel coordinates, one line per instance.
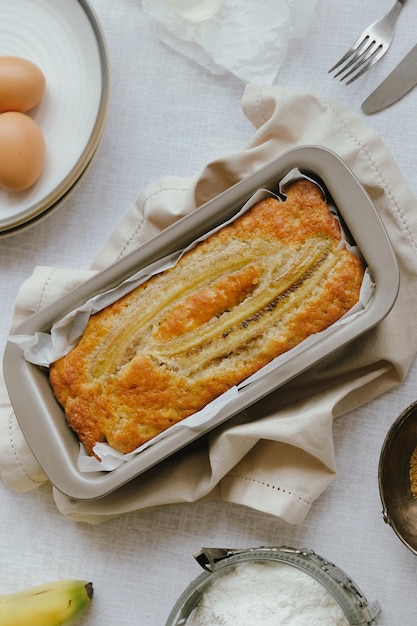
(64, 38)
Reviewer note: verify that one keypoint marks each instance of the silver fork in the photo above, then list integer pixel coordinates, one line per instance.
(370, 46)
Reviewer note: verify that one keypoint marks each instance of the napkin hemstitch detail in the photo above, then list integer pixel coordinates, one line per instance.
(270, 485)
(142, 209)
(15, 453)
(42, 296)
(381, 177)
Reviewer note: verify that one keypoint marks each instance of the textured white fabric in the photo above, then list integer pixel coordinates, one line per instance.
(167, 115)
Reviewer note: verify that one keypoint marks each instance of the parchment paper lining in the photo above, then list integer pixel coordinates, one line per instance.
(44, 348)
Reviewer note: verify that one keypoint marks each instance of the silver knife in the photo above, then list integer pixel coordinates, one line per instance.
(401, 80)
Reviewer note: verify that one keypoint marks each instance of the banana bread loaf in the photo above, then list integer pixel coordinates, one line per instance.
(248, 293)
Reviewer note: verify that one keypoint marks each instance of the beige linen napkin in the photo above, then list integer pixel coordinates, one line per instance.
(278, 455)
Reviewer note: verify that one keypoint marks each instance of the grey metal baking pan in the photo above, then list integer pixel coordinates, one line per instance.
(41, 418)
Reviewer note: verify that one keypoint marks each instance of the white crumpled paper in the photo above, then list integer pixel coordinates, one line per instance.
(249, 39)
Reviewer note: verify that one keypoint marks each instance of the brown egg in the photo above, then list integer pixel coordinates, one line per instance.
(22, 151)
(22, 84)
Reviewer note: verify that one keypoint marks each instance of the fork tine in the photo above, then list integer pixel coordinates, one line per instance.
(356, 55)
(375, 56)
(346, 56)
(364, 61)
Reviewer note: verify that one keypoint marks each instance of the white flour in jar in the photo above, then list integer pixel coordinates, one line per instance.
(267, 594)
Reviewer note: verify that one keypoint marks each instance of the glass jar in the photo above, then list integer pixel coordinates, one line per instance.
(342, 593)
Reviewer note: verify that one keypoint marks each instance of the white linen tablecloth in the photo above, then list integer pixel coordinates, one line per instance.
(168, 116)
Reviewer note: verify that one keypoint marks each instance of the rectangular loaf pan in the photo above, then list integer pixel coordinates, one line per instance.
(42, 420)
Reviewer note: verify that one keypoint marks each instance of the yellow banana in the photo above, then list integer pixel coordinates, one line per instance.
(57, 603)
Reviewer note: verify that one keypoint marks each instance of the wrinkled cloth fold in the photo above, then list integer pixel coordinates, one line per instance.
(278, 455)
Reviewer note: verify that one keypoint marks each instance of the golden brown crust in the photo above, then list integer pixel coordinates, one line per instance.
(250, 292)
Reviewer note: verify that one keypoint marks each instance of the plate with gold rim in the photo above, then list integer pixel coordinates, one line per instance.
(65, 40)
